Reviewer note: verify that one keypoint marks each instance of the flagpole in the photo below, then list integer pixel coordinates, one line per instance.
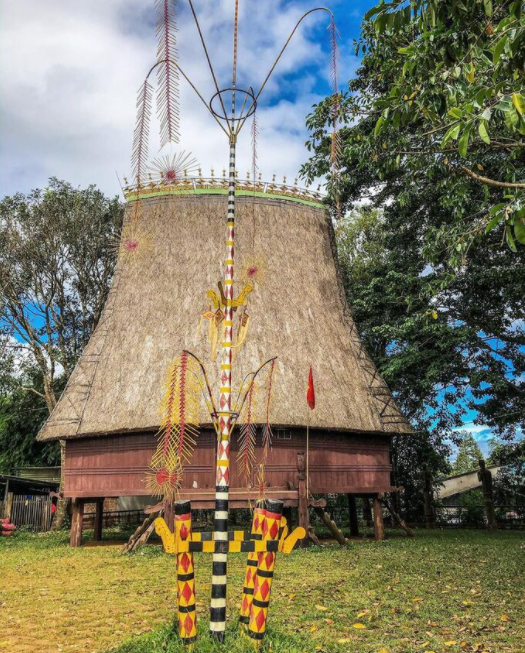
(307, 452)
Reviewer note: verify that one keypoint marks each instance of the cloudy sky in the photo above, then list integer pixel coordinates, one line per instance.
(70, 72)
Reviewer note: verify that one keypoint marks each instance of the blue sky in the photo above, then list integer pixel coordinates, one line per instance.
(70, 73)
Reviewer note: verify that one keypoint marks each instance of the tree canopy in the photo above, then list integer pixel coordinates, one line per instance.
(469, 454)
(57, 256)
(439, 102)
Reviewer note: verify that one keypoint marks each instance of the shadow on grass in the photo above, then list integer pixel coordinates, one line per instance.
(166, 640)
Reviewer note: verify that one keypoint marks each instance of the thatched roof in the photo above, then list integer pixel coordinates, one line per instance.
(298, 313)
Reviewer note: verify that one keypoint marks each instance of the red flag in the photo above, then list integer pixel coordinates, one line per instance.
(310, 390)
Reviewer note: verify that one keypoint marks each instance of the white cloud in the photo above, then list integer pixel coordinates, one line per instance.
(70, 73)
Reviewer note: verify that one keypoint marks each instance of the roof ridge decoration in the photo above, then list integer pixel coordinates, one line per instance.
(185, 184)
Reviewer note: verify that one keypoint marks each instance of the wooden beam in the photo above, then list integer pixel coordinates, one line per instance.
(303, 516)
(379, 527)
(352, 516)
(331, 525)
(77, 523)
(99, 518)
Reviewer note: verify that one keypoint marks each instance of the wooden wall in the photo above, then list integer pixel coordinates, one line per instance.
(113, 466)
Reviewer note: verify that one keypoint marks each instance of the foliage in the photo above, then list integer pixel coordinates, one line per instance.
(412, 595)
(439, 100)
(509, 484)
(471, 512)
(469, 454)
(445, 344)
(21, 416)
(56, 262)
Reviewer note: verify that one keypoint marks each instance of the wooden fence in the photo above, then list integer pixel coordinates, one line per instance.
(33, 513)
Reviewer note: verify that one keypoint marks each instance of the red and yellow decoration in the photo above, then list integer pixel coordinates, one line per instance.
(265, 567)
(187, 615)
(259, 515)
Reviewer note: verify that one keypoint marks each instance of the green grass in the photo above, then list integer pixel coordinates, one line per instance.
(445, 591)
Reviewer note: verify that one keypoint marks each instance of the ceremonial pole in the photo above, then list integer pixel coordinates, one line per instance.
(222, 482)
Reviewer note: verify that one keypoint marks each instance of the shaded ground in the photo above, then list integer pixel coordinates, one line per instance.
(444, 591)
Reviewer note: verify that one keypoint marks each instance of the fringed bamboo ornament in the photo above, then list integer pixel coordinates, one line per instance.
(167, 73)
(179, 426)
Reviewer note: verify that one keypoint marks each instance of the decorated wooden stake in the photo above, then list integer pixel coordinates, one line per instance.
(259, 515)
(187, 615)
(265, 568)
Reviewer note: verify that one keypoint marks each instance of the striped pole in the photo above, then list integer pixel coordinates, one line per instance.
(187, 615)
(251, 565)
(222, 480)
(263, 579)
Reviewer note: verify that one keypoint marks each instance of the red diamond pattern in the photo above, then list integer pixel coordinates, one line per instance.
(184, 531)
(260, 619)
(256, 524)
(184, 562)
(269, 560)
(264, 590)
(188, 624)
(248, 576)
(222, 401)
(245, 604)
(186, 592)
(274, 530)
(264, 527)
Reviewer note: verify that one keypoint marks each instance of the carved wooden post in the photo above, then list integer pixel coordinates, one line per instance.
(352, 515)
(303, 497)
(99, 518)
(428, 502)
(485, 476)
(77, 523)
(379, 527)
(8, 508)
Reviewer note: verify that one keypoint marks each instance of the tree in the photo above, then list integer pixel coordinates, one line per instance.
(57, 257)
(56, 262)
(469, 454)
(445, 343)
(439, 100)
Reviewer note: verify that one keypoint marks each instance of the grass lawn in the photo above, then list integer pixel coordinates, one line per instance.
(444, 591)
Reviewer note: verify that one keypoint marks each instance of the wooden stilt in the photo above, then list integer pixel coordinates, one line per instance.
(304, 520)
(352, 516)
(99, 518)
(331, 525)
(379, 527)
(367, 512)
(397, 517)
(169, 515)
(77, 523)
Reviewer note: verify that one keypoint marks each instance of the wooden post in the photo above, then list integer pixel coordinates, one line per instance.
(99, 518)
(352, 515)
(367, 512)
(8, 508)
(379, 527)
(302, 495)
(428, 501)
(331, 525)
(77, 523)
(485, 476)
(169, 515)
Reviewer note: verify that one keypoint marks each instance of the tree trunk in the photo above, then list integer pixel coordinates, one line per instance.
(63, 503)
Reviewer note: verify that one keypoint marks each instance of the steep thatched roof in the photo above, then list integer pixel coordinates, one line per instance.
(298, 313)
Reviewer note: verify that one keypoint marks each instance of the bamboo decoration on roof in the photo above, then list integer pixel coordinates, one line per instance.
(187, 387)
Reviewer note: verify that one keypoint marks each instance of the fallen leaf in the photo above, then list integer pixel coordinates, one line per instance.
(291, 597)
(504, 617)
(383, 650)
(320, 607)
(313, 629)
(359, 626)
(362, 613)
(343, 641)
(452, 642)
(417, 600)
(329, 621)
